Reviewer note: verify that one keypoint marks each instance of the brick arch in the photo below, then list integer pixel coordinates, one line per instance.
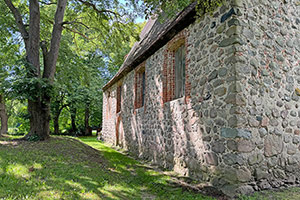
(138, 83)
(108, 105)
(169, 67)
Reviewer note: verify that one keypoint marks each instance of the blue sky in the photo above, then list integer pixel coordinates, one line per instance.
(139, 19)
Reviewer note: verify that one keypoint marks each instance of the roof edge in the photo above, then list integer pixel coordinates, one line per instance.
(181, 21)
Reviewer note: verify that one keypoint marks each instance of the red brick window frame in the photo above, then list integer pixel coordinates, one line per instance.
(170, 70)
(140, 86)
(119, 97)
(108, 106)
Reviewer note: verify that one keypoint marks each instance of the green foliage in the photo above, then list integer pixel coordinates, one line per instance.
(95, 39)
(19, 118)
(169, 7)
(207, 6)
(81, 74)
(172, 7)
(9, 55)
(92, 49)
(79, 86)
(23, 86)
(33, 138)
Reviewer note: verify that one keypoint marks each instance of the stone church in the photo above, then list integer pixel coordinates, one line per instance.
(215, 98)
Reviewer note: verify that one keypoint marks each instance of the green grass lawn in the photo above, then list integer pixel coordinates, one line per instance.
(68, 168)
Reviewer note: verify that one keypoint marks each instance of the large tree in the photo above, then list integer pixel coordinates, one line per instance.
(40, 41)
(39, 106)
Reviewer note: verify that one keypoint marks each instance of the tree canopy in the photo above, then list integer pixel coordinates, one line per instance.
(169, 8)
(89, 33)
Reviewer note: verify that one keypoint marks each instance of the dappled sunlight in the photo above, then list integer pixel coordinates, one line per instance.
(89, 195)
(12, 143)
(66, 168)
(118, 191)
(18, 170)
(86, 178)
(54, 194)
(37, 166)
(77, 186)
(114, 170)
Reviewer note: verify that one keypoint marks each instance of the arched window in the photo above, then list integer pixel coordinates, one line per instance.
(175, 77)
(140, 86)
(119, 97)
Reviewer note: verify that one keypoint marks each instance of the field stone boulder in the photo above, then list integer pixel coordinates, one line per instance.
(264, 185)
(230, 175)
(245, 145)
(245, 189)
(218, 147)
(261, 174)
(232, 159)
(273, 145)
(211, 158)
(254, 159)
(243, 174)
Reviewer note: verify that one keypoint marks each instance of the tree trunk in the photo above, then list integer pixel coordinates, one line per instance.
(57, 112)
(39, 107)
(56, 125)
(73, 112)
(39, 119)
(3, 116)
(87, 129)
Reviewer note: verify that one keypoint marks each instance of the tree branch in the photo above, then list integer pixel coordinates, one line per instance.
(93, 6)
(48, 3)
(75, 22)
(52, 56)
(19, 21)
(63, 106)
(74, 31)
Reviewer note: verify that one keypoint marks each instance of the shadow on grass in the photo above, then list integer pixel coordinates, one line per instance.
(66, 168)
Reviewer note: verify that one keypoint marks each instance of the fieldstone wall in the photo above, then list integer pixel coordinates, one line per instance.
(239, 128)
(109, 115)
(267, 95)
